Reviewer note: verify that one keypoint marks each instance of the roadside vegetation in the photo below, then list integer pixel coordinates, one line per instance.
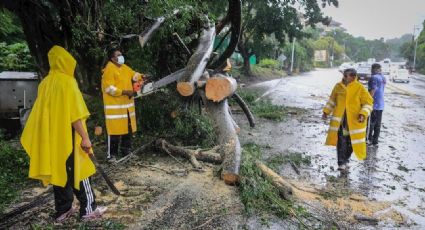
(259, 195)
(263, 107)
(13, 171)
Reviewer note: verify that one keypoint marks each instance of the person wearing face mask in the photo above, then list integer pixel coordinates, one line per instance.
(350, 104)
(120, 113)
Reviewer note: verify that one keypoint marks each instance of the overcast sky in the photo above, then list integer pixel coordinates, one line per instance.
(378, 18)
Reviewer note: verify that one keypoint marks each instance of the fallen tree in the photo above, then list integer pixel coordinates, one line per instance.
(285, 189)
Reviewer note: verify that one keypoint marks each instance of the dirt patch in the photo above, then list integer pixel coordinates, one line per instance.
(151, 199)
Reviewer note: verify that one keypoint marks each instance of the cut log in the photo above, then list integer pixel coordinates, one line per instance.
(230, 148)
(174, 150)
(285, 189)
(210, 156)
(192, 155)
(197, 63)
(220, 87)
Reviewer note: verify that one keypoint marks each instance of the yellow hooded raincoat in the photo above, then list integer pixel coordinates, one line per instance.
(354, 99)
(118, 106)
(47, 136)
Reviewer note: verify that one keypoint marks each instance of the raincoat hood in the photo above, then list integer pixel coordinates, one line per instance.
(61, 61)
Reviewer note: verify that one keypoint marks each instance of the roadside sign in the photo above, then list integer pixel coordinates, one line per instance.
(281, 58)
(320, 55)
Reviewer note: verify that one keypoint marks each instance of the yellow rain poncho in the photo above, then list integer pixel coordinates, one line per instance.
(118, 106)
(47, 136)
(352, 99)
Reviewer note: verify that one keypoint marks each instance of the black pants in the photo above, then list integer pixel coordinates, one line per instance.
(343, 148)
(64, 196)
(375, 126)
(114, 142)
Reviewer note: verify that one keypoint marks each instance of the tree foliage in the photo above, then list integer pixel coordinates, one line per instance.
(88, 28)
(15, 57)
(359, 48)
(277, 18)
(408, 49)
(10, 28)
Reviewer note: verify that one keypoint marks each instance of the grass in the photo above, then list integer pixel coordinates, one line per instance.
(14, 164)
(257, 194)
(263, 73)
(263, 108)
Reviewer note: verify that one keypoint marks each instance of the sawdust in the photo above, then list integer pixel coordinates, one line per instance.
(349, 205)
(392, 216)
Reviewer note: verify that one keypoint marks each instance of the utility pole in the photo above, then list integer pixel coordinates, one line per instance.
(416, 46)
(292, 55)
(332, 47)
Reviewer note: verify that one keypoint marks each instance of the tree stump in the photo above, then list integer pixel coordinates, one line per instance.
(230, 148)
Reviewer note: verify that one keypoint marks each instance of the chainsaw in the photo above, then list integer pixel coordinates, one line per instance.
(141, 89)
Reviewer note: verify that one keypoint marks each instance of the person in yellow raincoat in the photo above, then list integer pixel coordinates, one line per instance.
(350, 104)
(56, 139)
(120, 113)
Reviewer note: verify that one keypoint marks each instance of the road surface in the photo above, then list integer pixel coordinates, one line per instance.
(393, 173)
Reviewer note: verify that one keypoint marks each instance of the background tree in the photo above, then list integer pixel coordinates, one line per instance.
(10, 28)
(408, 49)
(279, 18)
(14, 52)
(395, 45)
(88, 28)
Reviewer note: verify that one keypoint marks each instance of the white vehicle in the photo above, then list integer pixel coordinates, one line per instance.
(400, 75)
(363, 72)
(345, 65)
(385, 66)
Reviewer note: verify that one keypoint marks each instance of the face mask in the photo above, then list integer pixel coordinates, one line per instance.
(120, 59)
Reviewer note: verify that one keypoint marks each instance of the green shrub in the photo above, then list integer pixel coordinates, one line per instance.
(14, 164)
(269, 63)
(15, 57)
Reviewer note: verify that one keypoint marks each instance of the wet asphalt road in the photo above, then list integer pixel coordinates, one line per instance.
(393, 172)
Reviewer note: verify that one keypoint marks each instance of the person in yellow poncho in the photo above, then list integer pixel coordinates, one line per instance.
(120, 112)
(56, 140)
(350, 104)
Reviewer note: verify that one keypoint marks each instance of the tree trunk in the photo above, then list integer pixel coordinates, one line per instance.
(39, 28)
(197, 63)
(230, 148)
(245, 56)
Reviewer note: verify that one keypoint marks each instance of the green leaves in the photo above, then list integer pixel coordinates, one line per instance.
(15, 57)
(10, 30)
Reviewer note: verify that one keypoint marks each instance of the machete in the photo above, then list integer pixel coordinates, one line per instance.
(107, 179)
